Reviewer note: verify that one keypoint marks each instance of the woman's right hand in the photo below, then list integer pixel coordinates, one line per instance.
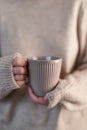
(20, 71)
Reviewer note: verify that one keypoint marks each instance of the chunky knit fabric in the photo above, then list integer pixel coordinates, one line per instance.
(7, 82)
(36, 28)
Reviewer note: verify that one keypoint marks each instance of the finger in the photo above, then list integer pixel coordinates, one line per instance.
(37, 99)
(20, 77)
(45, 98)
(32, 95)
(19, 62)
(42, 100)
(21, 83)
(19, 70)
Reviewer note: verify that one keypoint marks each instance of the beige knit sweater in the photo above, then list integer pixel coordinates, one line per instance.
(36, 27)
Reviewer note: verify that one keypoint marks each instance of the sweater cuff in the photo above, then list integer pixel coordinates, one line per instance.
(57, 95)
(7, 81)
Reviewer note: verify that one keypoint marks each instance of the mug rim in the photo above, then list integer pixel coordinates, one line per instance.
(44, 58)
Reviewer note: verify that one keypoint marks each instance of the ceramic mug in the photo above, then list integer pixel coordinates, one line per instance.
(44, 73)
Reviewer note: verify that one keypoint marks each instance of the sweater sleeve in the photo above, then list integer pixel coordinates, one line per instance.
(7, 81)
(71, 92)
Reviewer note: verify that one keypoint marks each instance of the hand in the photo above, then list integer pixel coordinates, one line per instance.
(20, 71)
(37, 99)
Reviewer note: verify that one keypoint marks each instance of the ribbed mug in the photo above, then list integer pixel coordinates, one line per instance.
(44, 73)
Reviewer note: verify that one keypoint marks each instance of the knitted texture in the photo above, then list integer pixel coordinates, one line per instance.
(7, 81)
(57, 95)
(69, 93)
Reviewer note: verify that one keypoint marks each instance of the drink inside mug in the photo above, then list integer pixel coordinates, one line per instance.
(44, 73)
(44, 58)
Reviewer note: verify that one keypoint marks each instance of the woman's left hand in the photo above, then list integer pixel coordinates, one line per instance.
(37, 99)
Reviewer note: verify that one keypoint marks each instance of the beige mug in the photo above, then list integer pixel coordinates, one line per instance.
(44, 73)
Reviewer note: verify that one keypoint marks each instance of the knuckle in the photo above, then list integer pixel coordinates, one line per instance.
(15, 70)
(20, 77)
(17, 77)
(23, 77)
(18, 70)
(21, 70)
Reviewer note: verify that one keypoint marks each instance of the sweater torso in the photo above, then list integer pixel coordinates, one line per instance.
(40, 28)
(37, 28)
